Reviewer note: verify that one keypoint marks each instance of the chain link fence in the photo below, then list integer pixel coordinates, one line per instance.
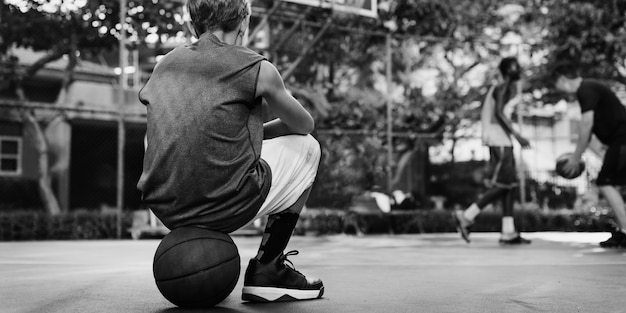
(432, 170)
(436, 171)
(94, 169)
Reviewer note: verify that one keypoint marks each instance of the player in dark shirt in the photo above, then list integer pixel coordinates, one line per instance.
(604, 116)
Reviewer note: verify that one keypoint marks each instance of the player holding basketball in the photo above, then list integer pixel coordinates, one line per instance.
(497, 131)
(604, 116)
(212, 162)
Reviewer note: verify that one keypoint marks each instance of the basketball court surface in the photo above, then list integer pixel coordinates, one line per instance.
(558, 272)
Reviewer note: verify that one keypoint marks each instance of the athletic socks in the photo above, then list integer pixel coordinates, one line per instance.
(471, 212)
(508, 227)
(276, 236)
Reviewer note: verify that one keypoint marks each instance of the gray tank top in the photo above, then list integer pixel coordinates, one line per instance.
(205, 130)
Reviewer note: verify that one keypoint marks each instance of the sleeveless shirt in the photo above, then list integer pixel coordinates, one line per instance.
(494, 135)
(202, 165)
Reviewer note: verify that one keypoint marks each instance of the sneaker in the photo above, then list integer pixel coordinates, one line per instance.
(617, 240)
(278, 280)
(462, 224)
(517, 240)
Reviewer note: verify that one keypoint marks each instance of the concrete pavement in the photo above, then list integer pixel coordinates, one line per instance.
(558, 272)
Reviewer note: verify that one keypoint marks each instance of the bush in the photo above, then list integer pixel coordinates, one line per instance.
(349, 166)
(32, 225)
(328, 221)
(19, 193)
(458, 182)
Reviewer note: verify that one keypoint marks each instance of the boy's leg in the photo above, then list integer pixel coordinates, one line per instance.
(270, 276)
(499, 180)
(509, 180)
(278, 230)
(508, 225)
(616, 202)
(465, 219)
(618, 236)
(509, 234)
(612, 174)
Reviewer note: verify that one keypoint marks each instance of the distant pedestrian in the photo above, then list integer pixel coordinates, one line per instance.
(496, 113)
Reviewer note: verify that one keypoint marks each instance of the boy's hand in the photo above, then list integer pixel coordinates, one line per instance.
(571, 165)
(523, 142)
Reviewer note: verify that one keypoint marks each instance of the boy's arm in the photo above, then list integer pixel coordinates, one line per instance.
(588, 100)
(293, 118)
(597, 147)
(584, 136)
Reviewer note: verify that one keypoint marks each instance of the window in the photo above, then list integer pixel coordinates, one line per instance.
(10, 155)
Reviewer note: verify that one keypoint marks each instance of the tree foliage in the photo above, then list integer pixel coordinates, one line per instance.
(83, 28)
(589, 33)
(79, 30)
(76, 29)
(444, 56)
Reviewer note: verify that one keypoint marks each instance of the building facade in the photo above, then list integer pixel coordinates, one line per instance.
(81, 130)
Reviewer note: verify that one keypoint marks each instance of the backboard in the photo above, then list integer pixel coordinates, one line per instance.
(367, 8)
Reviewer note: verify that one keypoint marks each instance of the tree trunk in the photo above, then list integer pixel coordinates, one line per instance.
(453, 160)
(48, 197)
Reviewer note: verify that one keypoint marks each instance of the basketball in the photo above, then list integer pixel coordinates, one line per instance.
(195, 267)
(560, 161)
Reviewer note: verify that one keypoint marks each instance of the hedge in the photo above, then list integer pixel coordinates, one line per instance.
(33, 225)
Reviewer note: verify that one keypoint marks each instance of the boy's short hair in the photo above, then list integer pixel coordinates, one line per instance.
(211, 15)
(505, 65)
(566, 69)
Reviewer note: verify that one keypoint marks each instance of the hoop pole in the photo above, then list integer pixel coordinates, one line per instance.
(121, 130)
(389, 112)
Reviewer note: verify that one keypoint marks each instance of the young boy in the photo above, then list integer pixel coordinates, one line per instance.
(211, 161)
(497, 132)
(605, 116)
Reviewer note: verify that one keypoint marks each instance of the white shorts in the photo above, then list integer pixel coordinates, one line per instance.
(294, 161)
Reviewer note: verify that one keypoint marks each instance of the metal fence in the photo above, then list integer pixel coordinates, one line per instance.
(428, 167)
(354, 161)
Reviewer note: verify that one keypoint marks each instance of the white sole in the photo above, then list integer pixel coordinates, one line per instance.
(270, 294)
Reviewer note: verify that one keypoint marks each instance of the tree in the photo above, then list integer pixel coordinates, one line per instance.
(456, 40)
(589, 33)
(76, 29)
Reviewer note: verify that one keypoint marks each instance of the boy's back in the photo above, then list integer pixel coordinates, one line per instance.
(609, 113)
(203, 159)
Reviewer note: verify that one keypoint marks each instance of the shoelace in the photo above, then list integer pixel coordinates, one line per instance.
(288, 262)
